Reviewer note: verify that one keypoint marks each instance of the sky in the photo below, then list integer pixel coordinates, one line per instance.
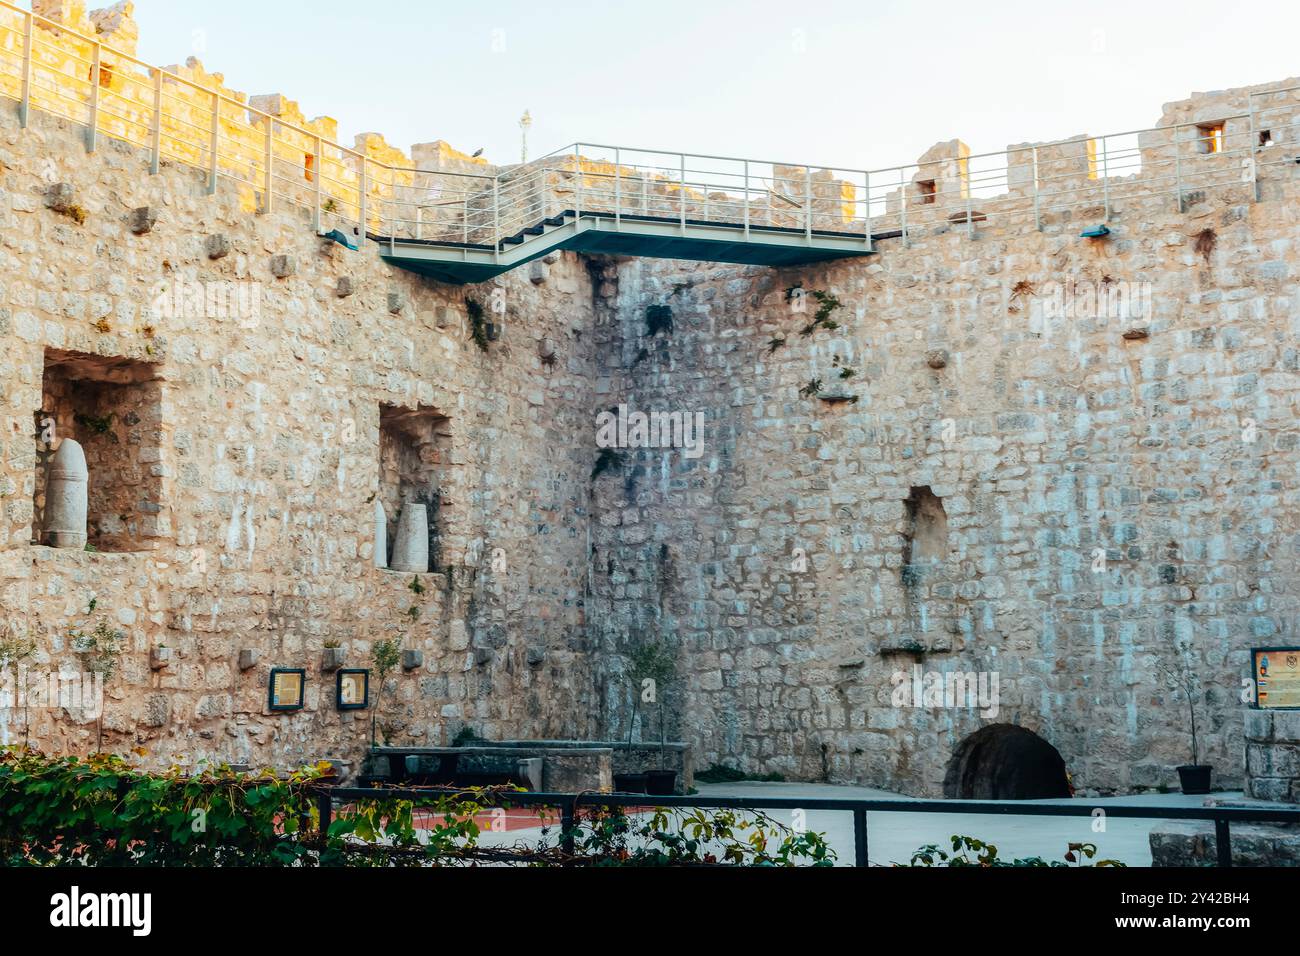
(862, 84)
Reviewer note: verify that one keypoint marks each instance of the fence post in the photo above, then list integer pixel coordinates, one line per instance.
(25, 105)
(859, 837)
(1178, 170)
(320, 168)
(618, 190)
(1038, 215)
(682, 157)
(496, 218)
(807, 204)
(365, 196)
(269, 159)
(1254, 147)
(577, 192)
(93, 129)
(325, 807)
(155, 131)
(866, 209)
(214, 146)
(746, 200)
(902, 215)
(568, 820)
(1105, 180)
(1223, 842)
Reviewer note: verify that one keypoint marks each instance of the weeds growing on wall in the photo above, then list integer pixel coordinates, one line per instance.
(827, 304)
(477, 323)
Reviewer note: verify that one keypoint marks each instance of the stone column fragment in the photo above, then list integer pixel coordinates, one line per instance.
(66, 488)
(381, 535)
(411, 549)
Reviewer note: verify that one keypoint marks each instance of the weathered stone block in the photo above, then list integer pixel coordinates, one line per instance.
(217, 246)
(1286, 726)
(412, 659)
(157, 710)
(1259, 725)
(345, 287)
(283, 266)
(143, 219)
(61, 197)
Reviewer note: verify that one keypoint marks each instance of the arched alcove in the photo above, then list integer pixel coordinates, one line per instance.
(1005, 762)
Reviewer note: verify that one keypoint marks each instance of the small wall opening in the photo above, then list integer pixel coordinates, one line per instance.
(926, 536)
(1209, 138)
(1005, 762)
(113, 408)
(928, 190)
(414, 455)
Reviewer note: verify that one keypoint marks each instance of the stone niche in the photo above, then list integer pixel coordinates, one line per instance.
(113, 407)
(414, 460)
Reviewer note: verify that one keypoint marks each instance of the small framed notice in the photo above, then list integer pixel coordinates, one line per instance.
(287, 684)
(353, 689)
(1276, 671)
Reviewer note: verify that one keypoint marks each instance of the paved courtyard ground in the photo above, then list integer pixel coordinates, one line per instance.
(891, 837)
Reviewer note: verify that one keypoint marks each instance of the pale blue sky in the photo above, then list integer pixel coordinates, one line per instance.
(858, 83)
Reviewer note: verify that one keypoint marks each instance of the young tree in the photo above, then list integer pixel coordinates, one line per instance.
(385, 655)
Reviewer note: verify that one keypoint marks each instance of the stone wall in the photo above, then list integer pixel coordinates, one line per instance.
(1110, 481)
(233, 506)
(992, 447)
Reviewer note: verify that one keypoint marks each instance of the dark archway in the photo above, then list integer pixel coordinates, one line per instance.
(1005, 762)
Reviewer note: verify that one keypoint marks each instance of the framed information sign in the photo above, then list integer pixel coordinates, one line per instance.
(353, 689)
(287, 684)
(1276, 671)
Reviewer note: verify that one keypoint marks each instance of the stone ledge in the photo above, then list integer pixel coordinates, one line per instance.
(1177, 843)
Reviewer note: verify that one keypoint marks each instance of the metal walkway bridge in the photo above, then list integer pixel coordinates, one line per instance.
(463, 227)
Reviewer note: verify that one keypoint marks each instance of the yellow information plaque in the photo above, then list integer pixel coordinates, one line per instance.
(1277, 677)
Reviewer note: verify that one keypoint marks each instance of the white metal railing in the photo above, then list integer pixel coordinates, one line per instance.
(45, 66)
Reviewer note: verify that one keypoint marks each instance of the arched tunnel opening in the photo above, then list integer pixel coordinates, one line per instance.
(1005, 762)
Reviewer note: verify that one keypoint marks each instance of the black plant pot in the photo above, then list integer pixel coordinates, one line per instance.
(1195, 777)
(630, 782)
(661, 782)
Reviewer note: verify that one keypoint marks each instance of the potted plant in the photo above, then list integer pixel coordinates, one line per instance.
(1182, 679)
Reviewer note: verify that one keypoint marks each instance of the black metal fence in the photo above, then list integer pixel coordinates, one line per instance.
(568, 804)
